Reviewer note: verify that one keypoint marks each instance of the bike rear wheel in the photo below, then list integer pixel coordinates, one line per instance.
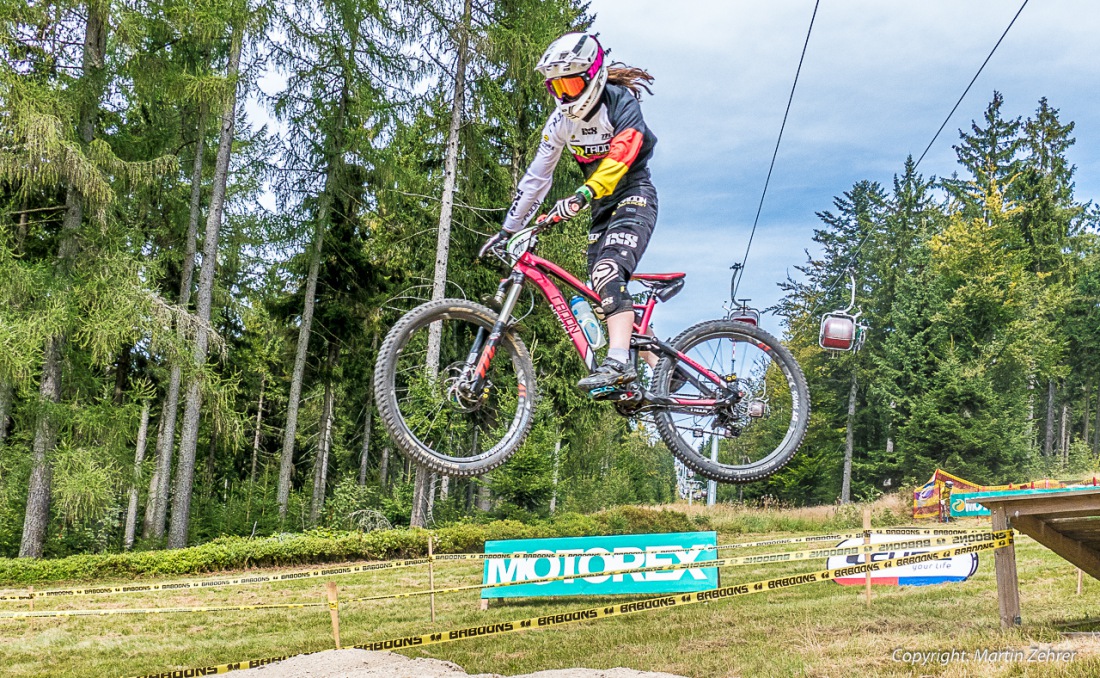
(758, 432)
(428, 418)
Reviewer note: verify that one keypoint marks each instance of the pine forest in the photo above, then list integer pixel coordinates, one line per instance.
(192, 301)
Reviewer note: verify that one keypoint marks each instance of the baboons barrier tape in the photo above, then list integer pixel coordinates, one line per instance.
(223, 581)
(763, 558)
(766, 558)
(618, 610)
(374, 566)
(153, 610)
(389, 565)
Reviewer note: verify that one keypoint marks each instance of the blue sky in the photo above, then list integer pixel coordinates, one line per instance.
(878, 80)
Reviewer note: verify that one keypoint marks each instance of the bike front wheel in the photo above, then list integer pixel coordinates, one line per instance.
(742, 405)
(438, 425)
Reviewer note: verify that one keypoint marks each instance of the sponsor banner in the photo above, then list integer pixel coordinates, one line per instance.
(924, 573)
(1000, 540)
(584, 559)
(969, 503)
(374, 566)
(923, 541)
(963, 506)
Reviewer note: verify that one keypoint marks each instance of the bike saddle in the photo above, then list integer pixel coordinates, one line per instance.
(658, 277)
(666, 285)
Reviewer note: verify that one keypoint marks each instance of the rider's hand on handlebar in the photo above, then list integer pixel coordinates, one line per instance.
(494, 243)
(567, 208)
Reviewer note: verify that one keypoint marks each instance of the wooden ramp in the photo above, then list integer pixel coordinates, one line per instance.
(1065, 521)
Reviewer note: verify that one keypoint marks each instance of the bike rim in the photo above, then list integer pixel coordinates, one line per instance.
(751, 433)
(452, 424)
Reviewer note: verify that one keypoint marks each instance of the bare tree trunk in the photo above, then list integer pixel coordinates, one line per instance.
(484, 500)
(419, 516)
(364, 453)
(443, 238)
(1085, 418)
(181, 499)
(139, 456)
(259, 427)
(444, 487)
(6, 398)
(45, 435)
(1048, 442)
(286, 461)
(1064, 434)
(849, 442)
(166, 435)
(554, 481)
(320, 460)
(122, 374)
(450, 171)
(383, 466)
(208, 474)
(1031, 412)
(1096, 425)
(21, 231)
(154, 487)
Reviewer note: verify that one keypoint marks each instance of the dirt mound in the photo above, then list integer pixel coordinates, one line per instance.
(363, 664)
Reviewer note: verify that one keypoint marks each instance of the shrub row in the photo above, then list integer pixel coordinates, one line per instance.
(324, 546)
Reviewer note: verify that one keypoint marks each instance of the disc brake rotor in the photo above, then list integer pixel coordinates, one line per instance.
(460, 397)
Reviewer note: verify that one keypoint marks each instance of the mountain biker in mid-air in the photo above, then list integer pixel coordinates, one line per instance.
(599, 119)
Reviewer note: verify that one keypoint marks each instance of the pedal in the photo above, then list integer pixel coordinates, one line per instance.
(603, 393)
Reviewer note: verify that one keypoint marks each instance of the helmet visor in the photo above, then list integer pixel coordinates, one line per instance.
(567, 88)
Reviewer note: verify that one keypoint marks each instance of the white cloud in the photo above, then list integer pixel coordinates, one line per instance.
(878, 79)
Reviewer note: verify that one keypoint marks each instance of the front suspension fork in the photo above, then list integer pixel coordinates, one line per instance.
(485, 347)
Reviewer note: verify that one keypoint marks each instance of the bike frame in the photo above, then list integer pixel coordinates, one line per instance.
(532, 267)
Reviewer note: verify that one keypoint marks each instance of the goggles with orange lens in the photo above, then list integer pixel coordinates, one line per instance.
(568, 88)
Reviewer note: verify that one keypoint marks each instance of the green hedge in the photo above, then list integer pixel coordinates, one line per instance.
(323, 546)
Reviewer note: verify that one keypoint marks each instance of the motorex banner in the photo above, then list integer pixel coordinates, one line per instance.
(587, 557)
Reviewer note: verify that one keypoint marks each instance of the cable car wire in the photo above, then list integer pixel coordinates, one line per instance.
(776, 151)
(859, 247)
(972, 81)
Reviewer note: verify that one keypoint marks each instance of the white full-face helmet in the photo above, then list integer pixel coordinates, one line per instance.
(575, 73)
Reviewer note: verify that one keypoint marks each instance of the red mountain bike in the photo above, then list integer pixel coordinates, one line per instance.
(457, 406)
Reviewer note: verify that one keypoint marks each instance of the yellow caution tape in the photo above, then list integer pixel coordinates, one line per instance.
(767, 558)
(223, 581)
(764, 558)
(374, 566)
(154, 610)
(618, 610)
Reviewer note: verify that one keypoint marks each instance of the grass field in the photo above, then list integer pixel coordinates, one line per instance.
(813, 630)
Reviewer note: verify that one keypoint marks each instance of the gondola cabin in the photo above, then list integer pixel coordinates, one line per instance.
(757, 409)
(839, 332)
(749, 316)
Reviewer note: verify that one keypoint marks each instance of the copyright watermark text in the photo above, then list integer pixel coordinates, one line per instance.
(1033, 654)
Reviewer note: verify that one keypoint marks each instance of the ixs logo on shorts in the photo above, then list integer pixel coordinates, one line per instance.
(632, 201)
(625, 239)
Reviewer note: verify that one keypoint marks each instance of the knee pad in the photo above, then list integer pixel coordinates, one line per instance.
(610, 283)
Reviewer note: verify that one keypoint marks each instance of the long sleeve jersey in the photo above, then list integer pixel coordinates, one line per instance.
(612, 146)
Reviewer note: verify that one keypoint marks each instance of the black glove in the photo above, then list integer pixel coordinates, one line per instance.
(493, 243)
(567, 208)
